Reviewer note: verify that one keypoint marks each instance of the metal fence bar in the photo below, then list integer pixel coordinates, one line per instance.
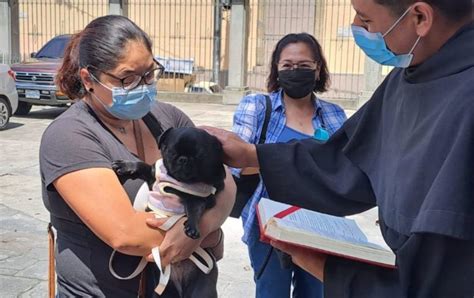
(41, 20)
(183, 33)
(329, 21)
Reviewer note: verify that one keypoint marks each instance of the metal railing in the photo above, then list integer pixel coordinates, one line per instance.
(192, 36)
(186, 32)
(41, 20)
(328, 21)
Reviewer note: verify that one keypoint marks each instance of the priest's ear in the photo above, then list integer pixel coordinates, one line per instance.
(423, 17)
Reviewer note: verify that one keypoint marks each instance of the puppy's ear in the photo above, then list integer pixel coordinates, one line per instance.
(163, 137)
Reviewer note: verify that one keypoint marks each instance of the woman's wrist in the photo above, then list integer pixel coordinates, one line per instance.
(208, 223)
(213, 239)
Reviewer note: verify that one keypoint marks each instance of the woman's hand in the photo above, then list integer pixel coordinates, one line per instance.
(237, 152)
(309, 260)
(176, 246)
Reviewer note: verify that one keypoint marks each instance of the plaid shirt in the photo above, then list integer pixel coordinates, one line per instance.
(248, 121)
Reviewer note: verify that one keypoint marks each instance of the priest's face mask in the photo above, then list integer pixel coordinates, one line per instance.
(387, 37)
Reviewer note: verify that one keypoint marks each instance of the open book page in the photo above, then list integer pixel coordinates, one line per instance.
(357, 237)
(367, 222)
(334, 227)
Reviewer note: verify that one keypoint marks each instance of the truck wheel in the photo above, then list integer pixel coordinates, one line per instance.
(4, 113)
(23, 108)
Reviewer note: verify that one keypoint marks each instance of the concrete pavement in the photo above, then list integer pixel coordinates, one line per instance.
(23, 219)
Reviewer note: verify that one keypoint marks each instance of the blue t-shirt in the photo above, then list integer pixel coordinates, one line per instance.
(289, 134)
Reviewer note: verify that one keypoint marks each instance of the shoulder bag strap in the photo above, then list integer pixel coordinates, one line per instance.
(51, 262)
(139, 140)
(268, 113)
(153, 124)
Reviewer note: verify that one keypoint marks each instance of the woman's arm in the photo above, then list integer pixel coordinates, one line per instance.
(245, 124)
(245, 120)
(215, 217)
(98, 198)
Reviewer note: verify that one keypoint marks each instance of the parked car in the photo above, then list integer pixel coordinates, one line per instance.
(8, 95)
(203, 87)
(35, 78)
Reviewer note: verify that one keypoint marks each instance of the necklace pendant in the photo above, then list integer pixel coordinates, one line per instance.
(122, 130)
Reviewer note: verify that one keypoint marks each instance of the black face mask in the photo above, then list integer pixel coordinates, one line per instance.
(297, 83)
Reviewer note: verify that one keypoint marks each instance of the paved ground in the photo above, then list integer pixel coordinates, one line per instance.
(23, 219)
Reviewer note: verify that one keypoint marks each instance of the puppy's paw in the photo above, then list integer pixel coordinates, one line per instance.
(122, 167)
(191, 232)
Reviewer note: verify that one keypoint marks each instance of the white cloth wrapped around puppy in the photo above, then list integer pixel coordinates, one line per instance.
(166, 203)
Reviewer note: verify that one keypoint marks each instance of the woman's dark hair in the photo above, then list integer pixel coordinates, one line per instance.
(452, 9)
(322, 84)
(101, 44)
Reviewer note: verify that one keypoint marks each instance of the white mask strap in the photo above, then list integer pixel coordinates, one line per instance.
(100, 100)
(397, 22)
(414, 46)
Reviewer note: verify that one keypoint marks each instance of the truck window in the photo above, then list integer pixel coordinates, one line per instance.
(54, 48)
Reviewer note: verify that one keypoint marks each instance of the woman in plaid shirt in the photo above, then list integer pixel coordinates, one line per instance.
(298, 70)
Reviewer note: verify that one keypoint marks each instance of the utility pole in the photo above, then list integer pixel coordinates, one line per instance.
(9, 32)
(238, 42)
(216, 51)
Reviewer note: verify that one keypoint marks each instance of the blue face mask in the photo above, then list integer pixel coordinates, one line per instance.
(130, 104)
(374, 46)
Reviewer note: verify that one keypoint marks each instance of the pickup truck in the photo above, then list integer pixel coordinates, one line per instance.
(35, 78)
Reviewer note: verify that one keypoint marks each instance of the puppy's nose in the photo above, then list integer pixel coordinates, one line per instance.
(182, 160)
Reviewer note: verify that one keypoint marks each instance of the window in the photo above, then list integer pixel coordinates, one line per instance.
(54, 48)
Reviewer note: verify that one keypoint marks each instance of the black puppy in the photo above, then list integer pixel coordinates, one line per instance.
(190, 155)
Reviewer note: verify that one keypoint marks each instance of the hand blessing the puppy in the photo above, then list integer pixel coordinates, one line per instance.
(237, 152)
(306, 259)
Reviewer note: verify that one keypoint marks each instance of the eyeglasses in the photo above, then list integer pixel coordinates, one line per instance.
(133, 81)
(306, 65)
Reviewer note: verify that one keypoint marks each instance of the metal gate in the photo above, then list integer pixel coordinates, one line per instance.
(41, 20)
(191, 37)
(328, 20)
(183, 34)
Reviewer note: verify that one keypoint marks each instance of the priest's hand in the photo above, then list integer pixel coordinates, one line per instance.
(237, 152)
(306, 259)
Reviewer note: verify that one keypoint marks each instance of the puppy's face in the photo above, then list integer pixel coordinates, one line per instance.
(192, 155)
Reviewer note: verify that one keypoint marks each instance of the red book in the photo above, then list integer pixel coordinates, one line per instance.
(344, 237)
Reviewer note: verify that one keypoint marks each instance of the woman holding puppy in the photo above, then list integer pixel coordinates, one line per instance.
(110, 68)
(297, 71)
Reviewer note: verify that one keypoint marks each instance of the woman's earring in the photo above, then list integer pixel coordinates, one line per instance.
(91, 90)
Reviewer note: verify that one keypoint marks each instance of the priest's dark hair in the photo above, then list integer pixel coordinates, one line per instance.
(322, 84)
(100, 44)
(452, 9)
